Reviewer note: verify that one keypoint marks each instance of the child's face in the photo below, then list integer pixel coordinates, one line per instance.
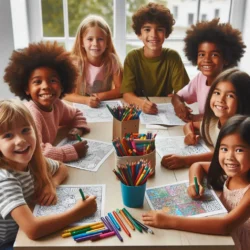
(234, 156)
(18, 145)
(224, 101)
(44, 87)
(209, 60)
(94, 43)
(153, 36)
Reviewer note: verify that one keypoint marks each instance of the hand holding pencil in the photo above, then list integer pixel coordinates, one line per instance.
(190, 138)
(195, 189)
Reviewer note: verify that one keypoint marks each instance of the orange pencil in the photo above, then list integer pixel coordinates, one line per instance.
(126, 219)
(121, 223)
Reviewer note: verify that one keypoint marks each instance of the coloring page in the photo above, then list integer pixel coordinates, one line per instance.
(175, 145)
(97, 153)
(174, 200)
(68, 195)
(166, 116)
(100, 114)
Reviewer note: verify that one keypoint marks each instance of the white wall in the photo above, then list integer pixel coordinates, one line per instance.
(6, 45)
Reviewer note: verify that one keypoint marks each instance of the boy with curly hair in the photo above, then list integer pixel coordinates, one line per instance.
(152, 70)
(42, 74)
(213, 47)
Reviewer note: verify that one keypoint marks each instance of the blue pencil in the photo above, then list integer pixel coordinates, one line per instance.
(114, 229)
(114, 221)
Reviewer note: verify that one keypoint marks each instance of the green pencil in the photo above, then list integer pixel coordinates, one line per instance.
(78, 137)
(82, 194)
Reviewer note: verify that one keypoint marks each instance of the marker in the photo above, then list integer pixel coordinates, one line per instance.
(196, 185)
(103, 236)
(145, 228)
(114, 221)
(106, 224)
(121, 223)
(82, 194)
(78, 137)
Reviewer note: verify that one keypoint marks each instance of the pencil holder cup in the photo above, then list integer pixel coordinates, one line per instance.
(120, 128)
(133, 196)
(123, 160)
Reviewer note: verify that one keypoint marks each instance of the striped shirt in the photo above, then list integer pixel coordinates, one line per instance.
(16, 189)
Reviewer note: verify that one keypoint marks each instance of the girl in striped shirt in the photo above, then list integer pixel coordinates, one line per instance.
(27, 177)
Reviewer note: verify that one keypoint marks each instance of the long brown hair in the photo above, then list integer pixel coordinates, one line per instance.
(12, 113)
(110, 56)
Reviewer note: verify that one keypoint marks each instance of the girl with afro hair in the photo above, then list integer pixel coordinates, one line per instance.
(213, 47)
(42, 74)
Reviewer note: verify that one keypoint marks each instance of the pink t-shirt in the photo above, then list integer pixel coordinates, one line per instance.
(196, 91)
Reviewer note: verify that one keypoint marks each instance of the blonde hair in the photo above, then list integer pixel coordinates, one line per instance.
(110, 56)
(12, 113)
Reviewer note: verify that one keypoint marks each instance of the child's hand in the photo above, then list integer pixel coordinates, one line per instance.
(80, 131)
(93, 101)
(81, 148)
(158, 219)
(192, 191)
(47, 196)
(86, 207)
(149, 107)
(173, 161)
(183, 112)
(191, 139)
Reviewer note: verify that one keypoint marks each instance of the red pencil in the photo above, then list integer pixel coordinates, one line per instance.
(121, 223)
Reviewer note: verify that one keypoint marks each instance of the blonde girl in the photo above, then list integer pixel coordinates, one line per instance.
(230, 172)
(99, 67)
(27, 177)
(228, 95)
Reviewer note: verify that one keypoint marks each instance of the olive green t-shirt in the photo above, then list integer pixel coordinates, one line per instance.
(157, 76)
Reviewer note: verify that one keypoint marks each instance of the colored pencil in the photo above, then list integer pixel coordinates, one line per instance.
(81, 227)
(130, 218)
(103, 236)
(114, 221)
(82, 194)
(121, 223)
(126, 219)
(114, 229)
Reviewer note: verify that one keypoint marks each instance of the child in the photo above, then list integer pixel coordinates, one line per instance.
(100, 69)
(152, 70)
(213, 47)
(231, 158)
(26, 177)
(43, 73)
(228, 95)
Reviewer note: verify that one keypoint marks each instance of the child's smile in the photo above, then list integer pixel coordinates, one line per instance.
(44, 87)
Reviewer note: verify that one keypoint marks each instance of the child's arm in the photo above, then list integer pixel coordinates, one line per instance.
(113, 93)
(209, 225)
(181, 110)
(147, 107)
(60, 175)
(189, 130)
(173, 161)
(36, 227)
(92, 101)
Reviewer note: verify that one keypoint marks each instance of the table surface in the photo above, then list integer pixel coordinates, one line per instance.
(172, 239)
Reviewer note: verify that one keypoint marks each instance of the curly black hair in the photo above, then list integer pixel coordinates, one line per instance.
(227, 39)
(153, 13)
(43, 54)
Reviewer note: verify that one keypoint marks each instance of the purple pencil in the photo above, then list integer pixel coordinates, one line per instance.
(114, 229)
(106, 224)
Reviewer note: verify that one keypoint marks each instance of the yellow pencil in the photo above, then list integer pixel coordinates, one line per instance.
(126, 219)
(143, 173)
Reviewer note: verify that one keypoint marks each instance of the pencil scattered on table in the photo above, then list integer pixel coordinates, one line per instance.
(125, 113)
(133, 144)
(135, 173)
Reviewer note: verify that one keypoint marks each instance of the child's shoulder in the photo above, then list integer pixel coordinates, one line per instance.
(167, 52)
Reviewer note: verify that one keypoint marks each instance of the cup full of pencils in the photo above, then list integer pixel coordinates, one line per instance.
(133, 177)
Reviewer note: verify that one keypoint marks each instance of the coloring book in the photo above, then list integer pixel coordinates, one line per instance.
(174, 200)
(68, 195)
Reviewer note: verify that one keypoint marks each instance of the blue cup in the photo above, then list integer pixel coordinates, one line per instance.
(133, 196)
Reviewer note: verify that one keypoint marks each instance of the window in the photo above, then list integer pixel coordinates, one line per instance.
(59, 19)
(190, 19)
(216, 13)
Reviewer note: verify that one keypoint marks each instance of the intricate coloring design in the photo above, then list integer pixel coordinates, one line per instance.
(174, 200)
(98, 152)
(100, 114)
(67, 197)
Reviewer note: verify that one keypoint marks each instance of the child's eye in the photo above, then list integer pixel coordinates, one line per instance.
(37, 81)
(147, 29)
(230, 96)
(54, 80)
(239, 150)
(201, 54)
(215, 54)
(90, 39)
(223, 149)
(26, 130)
(216, 92)
(7, 136)
(100, 39)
